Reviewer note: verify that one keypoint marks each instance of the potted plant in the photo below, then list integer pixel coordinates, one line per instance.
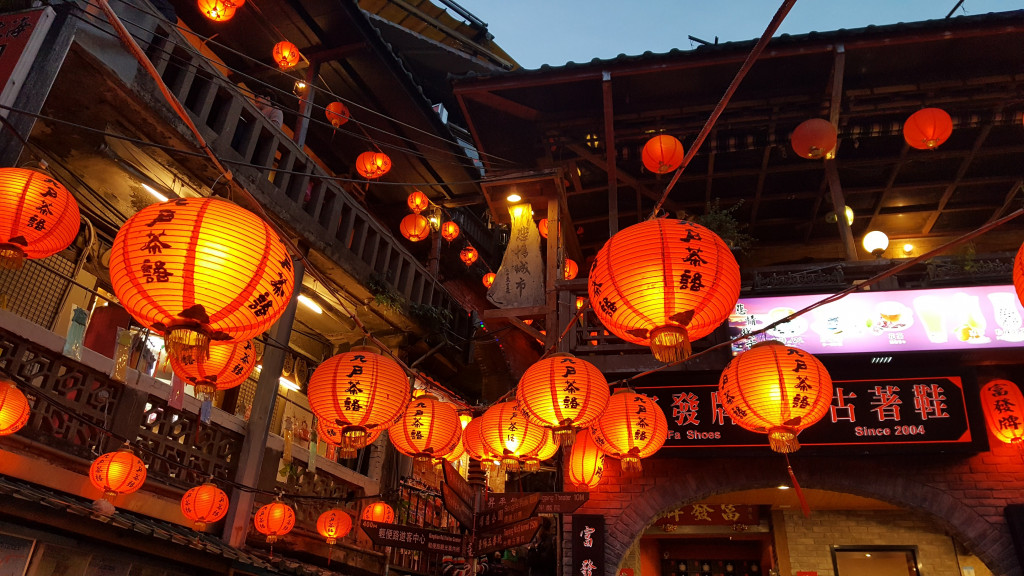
(722, 221)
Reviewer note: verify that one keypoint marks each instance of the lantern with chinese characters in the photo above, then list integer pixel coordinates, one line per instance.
(417, 201)
(429, 428)
(814, 139)
(201, 269)
(1003, 406)
(274, 520)
(664, 283)
(415, 227)
(586, 462)
(38, 216)
(776, 390)
(14, 410)
(218, 10)
(663, 154)
(227, 366)
(337, 114)
(449, 230)
(120, 472)
(204, 505)
(563, 393)
(571, 269)
(334, 524)
(379, 512)
(927, 128)
(358, 391)
(630, 428)
(508, 434)
(372, 165)
(530, 462)
(489, 279)
(469, 255)
(286, 55)
(473, 441)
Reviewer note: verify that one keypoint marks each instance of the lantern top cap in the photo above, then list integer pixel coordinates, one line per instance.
(365, 348)
(561, 355)
(767, 343)
(624, 390)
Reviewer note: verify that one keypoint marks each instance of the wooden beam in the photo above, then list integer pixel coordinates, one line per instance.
(505, 313)
(529, 330)
(505, 105)
(609, 149)
(961, 171)
(839, 205)
(555, 257)
(623, 177)
(1007, 202)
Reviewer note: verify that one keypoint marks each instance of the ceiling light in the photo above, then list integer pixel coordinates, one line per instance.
(876, 242)
(782, 487)
(868, 555)
(289, 384)
(310, 303)
(513, 197)
(908, 248)
(160, 197)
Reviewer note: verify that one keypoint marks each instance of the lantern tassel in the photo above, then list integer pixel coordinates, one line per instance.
(631, 464)
(671, 344)
(188, 345)
(11, 257)
(783, 440)
(804, 507)
(565, 435)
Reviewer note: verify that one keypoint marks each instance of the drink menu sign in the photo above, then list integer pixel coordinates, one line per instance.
(904, 414)
(883, 322)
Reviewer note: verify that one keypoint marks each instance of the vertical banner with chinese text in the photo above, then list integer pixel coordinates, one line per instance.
(587, 545)
(520, 279)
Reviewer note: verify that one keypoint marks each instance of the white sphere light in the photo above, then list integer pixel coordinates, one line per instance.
(876, 242)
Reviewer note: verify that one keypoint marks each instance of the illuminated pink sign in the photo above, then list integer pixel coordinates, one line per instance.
(879, 322)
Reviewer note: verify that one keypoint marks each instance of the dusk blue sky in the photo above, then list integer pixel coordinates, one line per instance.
(536, 32)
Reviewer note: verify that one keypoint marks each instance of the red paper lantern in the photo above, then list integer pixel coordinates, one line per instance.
(663, 154)
(418, 202)
(120, 472)
(227, 366)
(204, 504)
(814, 139)
(542, 227)
(563, 393)
(473, 441)
(530, 462)
(1018, 273)
(274, 520)
(664, 283)
(372, 165)
(449, 230)
(218, 10)
(38, 216)
(358, 391)
(334, 524)
(508, 434)
(469, 255)
(429, 428)
(337, 114)
(927, 128)
(1003, 406)
(586, 462)
(775, 389)
(379, 512)
(415, 227)
(455, 453)
(571, 269)
(489, 279)
(286, 55)
(14, 409)
(630, 428)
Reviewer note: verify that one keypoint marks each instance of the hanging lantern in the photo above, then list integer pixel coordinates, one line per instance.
(571, 269)
(204, 505)
(1003, 406)
(372, 165)
(489, 279)
(815, 138)
(333, 436)
(530, 462)
(334, 524)
(630, 428)
(38, 216)
(358, 391)
(379, 512)
(274, 520)
(775, 389)
(563, 393)
(286, 55)
(663, 154)
(469, 255)
(508, 434)
(218, 10)
(120, 472)
(542, 227)
(664, 283)
(927, 128)
(429, 428)
(586, 462)
(337, 114)
(418, 202)
(415, 227)
(449, 230)
(227, 366)
(473, 441)
(14, 409)
(1018, 273)
(454, 454)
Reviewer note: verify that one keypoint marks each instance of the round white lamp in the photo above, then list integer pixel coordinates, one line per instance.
(876, 242)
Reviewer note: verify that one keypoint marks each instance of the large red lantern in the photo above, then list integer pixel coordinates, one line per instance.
(489, 279)
(218, 10)
(337, 114)
(586, 462)
(358, 391)
(571, 269)
(1018, 273)
(563, 393)
(815, 138)
(777, 390)
(1003, 406)
(227, 366)
(449, 230)
(664, 283)
(120, 472)
(286, 55)
(415, 227)
(469, 255)
(508, 434)
(274, 520)
(663, 154)
(473, 441)
(542, 227)
(372, 165)
(14, 409)
(927, 128)
(530, 462)
(379, 512)
(417, 201)
(204, 504)
(430, 428)
(630, 428)
(334, 524)
(201, 269)
(38, 216)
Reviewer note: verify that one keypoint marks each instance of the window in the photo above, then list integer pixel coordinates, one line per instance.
(875, 560)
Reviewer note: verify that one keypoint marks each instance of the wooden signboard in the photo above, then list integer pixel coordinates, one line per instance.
(550, 502)
(414, 538)
(512, 511)
(518, 534)
(456, 507)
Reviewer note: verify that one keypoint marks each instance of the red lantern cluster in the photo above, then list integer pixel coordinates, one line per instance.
(274, 520)
(286, 55)
(415, 227)
(927, 128)
(373, 165)
(663, 154)
(204, 505)
(814, 139)
(38, 216)
(337, 113)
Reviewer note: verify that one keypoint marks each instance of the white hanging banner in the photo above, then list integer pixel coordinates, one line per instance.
(519, 282)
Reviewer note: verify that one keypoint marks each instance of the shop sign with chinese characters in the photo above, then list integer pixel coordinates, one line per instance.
(414, 538)
(709, 515)
(587, 545)
(869, 415)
